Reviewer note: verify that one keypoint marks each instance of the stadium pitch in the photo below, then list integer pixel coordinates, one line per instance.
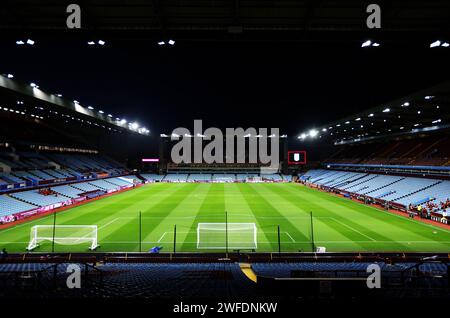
(339, 225)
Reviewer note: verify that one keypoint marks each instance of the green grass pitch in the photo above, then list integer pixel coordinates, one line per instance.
(340, 225)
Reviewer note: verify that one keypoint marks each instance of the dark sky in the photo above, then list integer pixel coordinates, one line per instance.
(293, 88)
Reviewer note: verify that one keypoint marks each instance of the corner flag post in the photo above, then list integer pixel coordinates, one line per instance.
(174, 238)
(279, 241)
(54, 232)
(140, 231)
(312, 233)
(226, 233)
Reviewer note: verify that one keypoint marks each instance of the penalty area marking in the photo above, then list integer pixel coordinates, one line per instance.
(353, 229)
(187, 232)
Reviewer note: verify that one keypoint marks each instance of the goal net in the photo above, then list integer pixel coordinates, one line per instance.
(218, 235)
(64, 235)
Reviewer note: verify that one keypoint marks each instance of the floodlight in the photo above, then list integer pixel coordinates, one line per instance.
(30, 42)
(91, 43)
(59, 95)
(101, 111)
(371, 115)
(10, 76)
(101, 42)
(90, 107)
(134, 125)
(302, 136)
(435, 44)
(445, 44)
(20, 42)
(375, 44)
(161, 43)
(109, 115)
(313, 133)
(366, 43)
(34, 85)
(386, 110)
(171, 42)
(406, 104)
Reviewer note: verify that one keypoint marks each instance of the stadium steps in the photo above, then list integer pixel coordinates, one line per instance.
(417, 191)
(140, 177)
(357, 184)
(410, 151)
(112, 182)
(21, 200)
(325, 176)
(430, 147)
(348, 180)
(338, 179)
(385, 194)
(384, 186)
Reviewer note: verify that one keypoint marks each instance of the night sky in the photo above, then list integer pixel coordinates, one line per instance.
(293, 88)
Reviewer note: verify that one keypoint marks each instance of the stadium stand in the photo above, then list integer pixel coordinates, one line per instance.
(35, 198)
(176, 177)
(272, 177)
(9, 205)
(197, 177)
(68, 191)
(224, 177)
(104, 185)
(427, 151)
(85, 186)
(223, 279)
(152, 177)
(406, 191)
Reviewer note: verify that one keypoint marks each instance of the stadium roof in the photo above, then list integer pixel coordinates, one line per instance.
(35, 92)
(308, 21)
(423, 112)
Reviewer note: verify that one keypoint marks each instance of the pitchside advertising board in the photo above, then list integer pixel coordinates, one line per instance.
(297, 157)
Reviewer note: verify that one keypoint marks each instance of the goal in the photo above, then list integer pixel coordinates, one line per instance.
(64, 235)
(237, 236)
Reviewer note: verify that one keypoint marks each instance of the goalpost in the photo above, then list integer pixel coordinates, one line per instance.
(235, 236)
(64, 235)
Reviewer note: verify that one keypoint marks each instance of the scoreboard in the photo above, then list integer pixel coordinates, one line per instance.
(296, 157)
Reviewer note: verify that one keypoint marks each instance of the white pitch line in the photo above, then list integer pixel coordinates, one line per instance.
(287, 233)
(240, 216)
(353, 229)
(303, 242)
(109, 223)
(160, 239)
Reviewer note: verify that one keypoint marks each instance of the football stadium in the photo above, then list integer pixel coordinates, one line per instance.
(134, 162)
